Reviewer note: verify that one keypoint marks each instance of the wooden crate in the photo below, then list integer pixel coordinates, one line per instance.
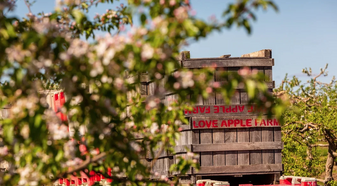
(228, 139)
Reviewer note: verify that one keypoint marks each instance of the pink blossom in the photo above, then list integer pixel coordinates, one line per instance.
(244, 71)
(180, 14)
(172, 2)
(3, 151)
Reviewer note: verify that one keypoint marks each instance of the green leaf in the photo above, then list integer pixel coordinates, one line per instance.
(78, 15)
(250, 85)
(37, 121)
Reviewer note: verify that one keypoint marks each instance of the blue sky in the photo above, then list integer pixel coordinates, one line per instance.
(302, 34)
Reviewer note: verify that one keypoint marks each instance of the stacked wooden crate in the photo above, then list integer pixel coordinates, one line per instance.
(229, 139)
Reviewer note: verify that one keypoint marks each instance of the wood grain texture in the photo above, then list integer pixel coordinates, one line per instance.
(151, 88)
(210, 100)
(255, 136)
(219, 138)
(277, 138)
(227, 62)
(269, 73)
(232, 121)
(261, 53)
(244, 97)
(243, 137)
(231, 156)
(220, 110)
(206, 138)
(268, 155)
(242, 146)
(241, 169)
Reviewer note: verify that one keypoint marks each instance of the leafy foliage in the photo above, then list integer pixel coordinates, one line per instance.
(44, 51)
(310, 124)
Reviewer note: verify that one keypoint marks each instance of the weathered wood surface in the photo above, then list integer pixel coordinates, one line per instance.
(232, 122)
(230, 138)
(268, 155)
(227, 62)
(219, 158)
(233, 146)
(255, 136)
(207, 110)
(206, 139)
(261, 53)
(277, 137)
(265, 168)
(243, 156)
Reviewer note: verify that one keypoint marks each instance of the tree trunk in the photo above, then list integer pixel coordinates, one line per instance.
(309, 157)
(330, 160)
(329, 166)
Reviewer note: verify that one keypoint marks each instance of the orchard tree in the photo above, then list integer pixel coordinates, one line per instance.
(310, 123)
(45, 51)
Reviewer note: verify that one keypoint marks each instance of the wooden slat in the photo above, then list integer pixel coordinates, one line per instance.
(151, 88)
(243, 156)
(227, 62)
(232, 122)
(255, 136)
(144, 78)
(210, 100)
(240, 169)
(244, 97)
(261, 53)
(219, 138)
(143, 89)
(206, 110)
(277, 138)
(268, 155)
(269, 73)
(269, 84)
(230, 138)
(182, 148)
(243, 146)
(206, 138)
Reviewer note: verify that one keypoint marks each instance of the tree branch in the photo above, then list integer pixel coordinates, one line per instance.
(87, 161)
(320, 145)
(28, 6)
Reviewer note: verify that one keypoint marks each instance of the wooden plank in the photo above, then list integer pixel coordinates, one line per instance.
(232, 122)
(241, 86)
(241, 169)
(235, 98)
(206, 110)
(230, 138)
(210, 100)
(206, 138)
(182, 148)
(143, 89)
(255, 136)
(261, 53)
(144, 78)
(268, 155)
(242, 146)
(277, 138)
(227, 62)
(151, 88)
(219, 138)
(244, 97)
(243, 156)
(269, 73)
(258, 69)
